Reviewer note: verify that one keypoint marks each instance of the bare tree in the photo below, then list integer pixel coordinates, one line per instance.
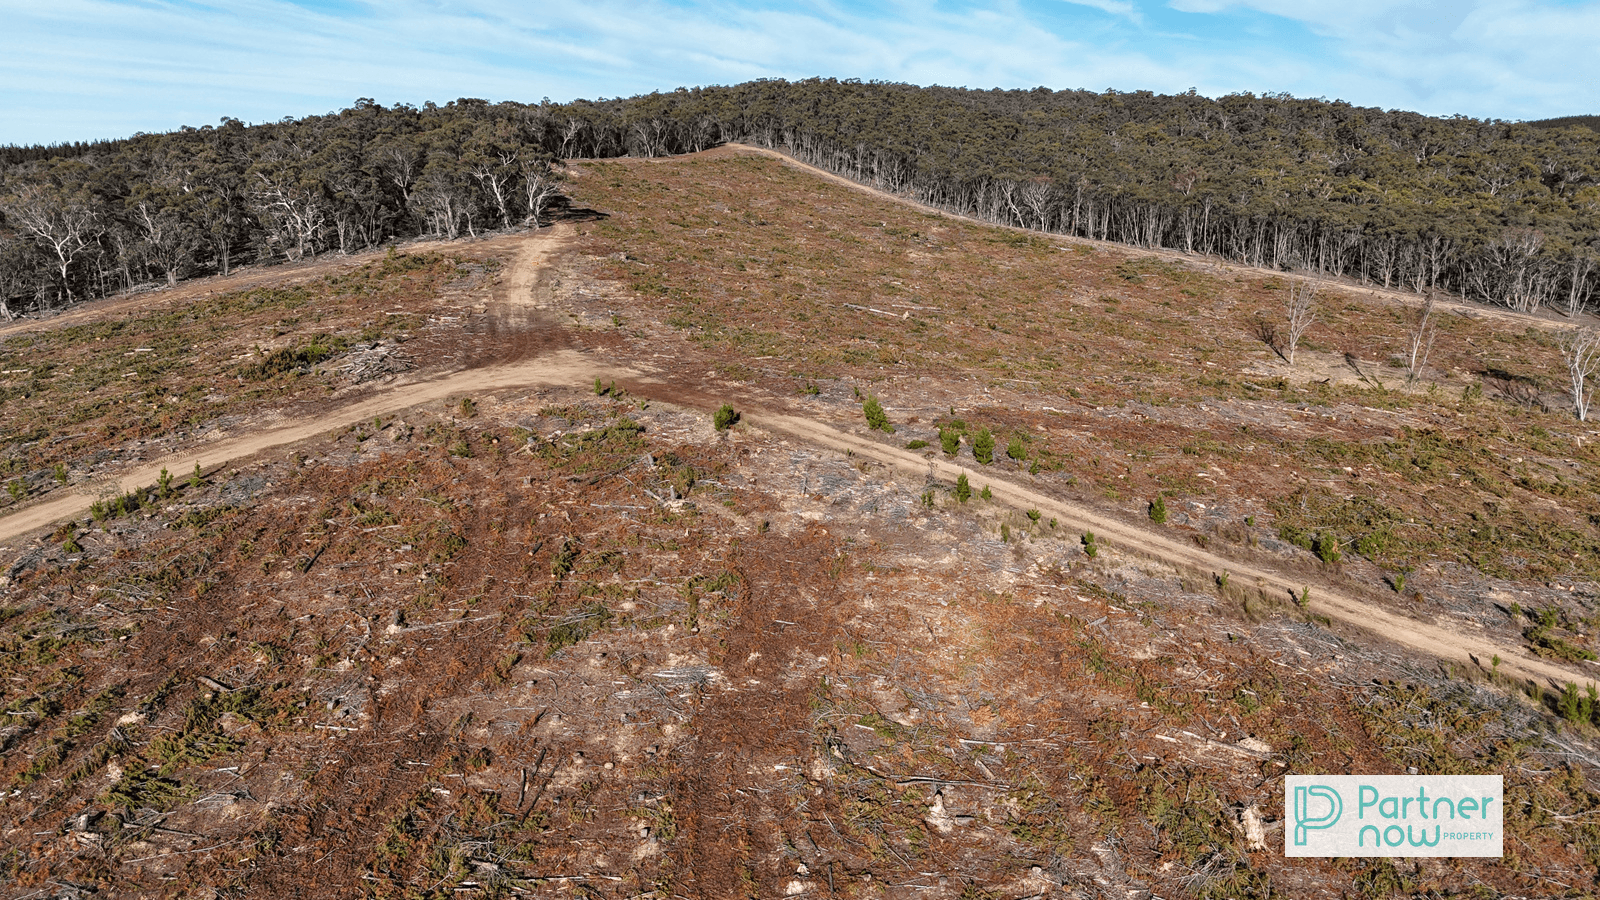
(67, 224)
(542, 184)
(162, 237)
(1580, 347)
(1039, 196)
(445, 196)
(1421, 338)
(1513, 270)
(1302, 313)
(494, 173)
(570, 133)
(289, 199)
(1578, 287)
(401, 162)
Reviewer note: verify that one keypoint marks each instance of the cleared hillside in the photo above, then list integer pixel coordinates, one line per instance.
(573, 640)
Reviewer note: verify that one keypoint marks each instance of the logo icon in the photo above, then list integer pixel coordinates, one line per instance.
(1304, 821)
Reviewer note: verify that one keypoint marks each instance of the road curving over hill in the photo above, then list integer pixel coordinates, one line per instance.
(1423, 637)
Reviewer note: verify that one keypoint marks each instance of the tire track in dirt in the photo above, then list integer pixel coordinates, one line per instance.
(1433, 640)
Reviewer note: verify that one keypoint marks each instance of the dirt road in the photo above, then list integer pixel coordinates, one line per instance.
(1416, 635)
(512, 305)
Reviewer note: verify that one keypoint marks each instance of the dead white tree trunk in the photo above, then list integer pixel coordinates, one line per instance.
(541, 183)
(1580, 347)
(1302, 313)
(1578, 288)
(1420, 343)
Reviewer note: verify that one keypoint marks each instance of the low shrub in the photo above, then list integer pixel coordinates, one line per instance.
(983, 447)
(1158, 510)
(877, 419)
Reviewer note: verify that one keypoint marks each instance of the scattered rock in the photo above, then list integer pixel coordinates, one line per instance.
(83, 821)
(1255, 834)
(1256, 744)
(939, 817)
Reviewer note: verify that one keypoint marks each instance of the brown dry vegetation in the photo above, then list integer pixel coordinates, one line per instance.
(580, 643)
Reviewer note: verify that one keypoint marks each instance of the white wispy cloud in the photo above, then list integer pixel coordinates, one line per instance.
(1113, 7)
(1490, 58)
(99, 68)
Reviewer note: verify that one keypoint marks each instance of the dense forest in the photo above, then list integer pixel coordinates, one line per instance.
(1506, 213)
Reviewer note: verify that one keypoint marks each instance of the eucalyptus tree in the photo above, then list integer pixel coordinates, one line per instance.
(50, 204)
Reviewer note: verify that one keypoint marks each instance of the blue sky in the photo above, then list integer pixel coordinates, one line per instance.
(84, 69)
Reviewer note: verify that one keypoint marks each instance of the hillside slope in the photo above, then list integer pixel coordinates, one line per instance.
(549, 631)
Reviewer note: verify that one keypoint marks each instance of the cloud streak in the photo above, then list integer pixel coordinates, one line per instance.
(1509, 59)
(1112, 7)
(78, 69)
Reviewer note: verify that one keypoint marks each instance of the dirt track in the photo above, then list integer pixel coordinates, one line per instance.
(1410, 633)
(565, 367)
(514, 312)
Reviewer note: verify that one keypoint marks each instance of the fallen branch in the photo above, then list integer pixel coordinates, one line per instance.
(904, 315)
(442, 624)
(930, 779)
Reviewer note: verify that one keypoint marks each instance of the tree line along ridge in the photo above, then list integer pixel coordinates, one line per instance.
(1500, 212)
